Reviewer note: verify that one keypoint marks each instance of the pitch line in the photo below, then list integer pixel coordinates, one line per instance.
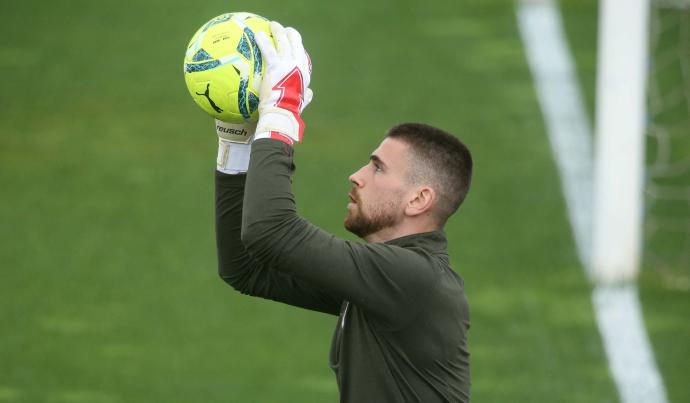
(617, 309)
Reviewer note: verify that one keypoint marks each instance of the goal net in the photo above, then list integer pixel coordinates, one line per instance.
(667, 188)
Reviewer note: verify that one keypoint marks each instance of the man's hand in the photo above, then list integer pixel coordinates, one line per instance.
(234, 146)
(284, 91)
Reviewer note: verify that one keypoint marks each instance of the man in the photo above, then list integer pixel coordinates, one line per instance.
(403, 316)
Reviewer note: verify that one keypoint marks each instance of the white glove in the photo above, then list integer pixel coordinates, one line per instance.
(234, 146)
(284, 91)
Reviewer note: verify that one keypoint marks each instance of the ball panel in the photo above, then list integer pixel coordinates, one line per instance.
(217, 97)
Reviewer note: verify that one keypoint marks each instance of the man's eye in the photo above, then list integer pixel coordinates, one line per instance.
(377, 168)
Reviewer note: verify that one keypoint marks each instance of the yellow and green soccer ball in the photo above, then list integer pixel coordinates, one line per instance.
(223, 66)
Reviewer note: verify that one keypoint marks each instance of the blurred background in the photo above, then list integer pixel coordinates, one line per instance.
(107, 252)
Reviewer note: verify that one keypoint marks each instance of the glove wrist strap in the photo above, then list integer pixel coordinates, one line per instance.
(234, 147)
(235, 133)
(278, 120)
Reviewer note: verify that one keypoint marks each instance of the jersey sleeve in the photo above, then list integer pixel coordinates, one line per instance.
(386, 280)
(247, 275)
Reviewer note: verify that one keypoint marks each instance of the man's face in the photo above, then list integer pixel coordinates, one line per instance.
(377, 199)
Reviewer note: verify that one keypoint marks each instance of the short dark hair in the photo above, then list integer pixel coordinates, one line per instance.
(439, 160)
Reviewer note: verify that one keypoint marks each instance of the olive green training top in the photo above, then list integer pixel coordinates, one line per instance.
(403, 316)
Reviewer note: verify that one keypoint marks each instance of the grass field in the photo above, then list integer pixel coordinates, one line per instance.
(107, 250)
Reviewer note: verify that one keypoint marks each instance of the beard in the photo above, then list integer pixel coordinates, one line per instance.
(380, 216)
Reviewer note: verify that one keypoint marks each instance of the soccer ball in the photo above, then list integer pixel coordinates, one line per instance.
(223, 66)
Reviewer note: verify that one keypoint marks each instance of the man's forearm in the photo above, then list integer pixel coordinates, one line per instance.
(234, 264)
(269, 201)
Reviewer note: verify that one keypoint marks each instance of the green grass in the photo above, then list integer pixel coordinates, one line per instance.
(106, 238)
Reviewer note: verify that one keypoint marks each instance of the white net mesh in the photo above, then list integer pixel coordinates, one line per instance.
(667, 232)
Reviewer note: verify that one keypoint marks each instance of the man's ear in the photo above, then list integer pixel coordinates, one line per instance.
(422, 201)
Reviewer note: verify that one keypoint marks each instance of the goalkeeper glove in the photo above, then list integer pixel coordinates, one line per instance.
(284, 91)
(234, 146)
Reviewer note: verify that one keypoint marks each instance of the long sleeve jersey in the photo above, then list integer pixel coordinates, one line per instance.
(402, 313)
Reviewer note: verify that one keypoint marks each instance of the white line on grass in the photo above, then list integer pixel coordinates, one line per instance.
(630, 358)
(617, 309)
(559, 96)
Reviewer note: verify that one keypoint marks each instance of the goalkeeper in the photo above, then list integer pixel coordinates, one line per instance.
(401, 335)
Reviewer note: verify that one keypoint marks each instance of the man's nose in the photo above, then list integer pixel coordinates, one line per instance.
(356, 178)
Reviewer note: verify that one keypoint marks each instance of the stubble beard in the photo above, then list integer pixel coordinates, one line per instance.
(380, 217)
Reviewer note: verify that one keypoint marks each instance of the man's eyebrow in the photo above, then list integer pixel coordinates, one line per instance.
(375, 158)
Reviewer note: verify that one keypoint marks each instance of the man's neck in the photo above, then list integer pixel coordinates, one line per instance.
(399, 231)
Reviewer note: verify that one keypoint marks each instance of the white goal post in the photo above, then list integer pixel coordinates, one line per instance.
(620, 140)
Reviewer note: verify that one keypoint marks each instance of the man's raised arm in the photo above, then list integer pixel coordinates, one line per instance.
(245, 274)
(235, 266)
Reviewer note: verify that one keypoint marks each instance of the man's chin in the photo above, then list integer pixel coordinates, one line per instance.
(352, 225)
(363, 226)
(348, 224)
